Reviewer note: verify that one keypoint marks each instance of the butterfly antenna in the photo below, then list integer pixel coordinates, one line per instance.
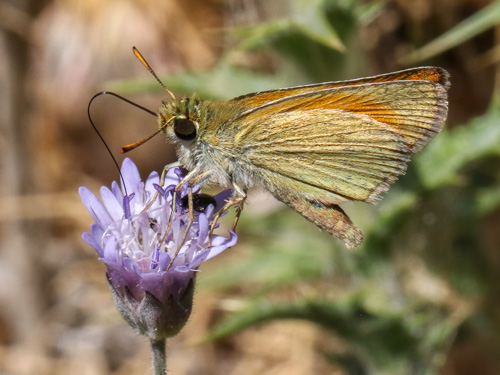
(148, 67)
(134, 145)
(99, 133)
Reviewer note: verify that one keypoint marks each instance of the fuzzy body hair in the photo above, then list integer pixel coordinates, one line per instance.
(214, 149)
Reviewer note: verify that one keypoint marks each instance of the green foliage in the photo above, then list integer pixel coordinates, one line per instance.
(447, 156)
(372, 337)
(315, 36)
(225, 81)
(481, 21)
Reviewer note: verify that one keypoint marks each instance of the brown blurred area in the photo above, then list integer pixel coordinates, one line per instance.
(56, 313)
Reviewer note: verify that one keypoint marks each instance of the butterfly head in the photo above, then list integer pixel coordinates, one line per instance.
(180, 120)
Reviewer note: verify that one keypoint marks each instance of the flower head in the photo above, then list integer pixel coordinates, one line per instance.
(152, 286)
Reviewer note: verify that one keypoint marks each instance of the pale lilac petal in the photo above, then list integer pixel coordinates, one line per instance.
(92, 242)
(130, 175)
(222, 198)
(113, 206)
(204, 227)
(131, 265)
(219, 244)
(199, 259)
(117, 191)
(110, 253)
(96, 231)
(95, 207)
(182, 268)
(152, 179)
(123, 279)
(164, 261)
(173, 177)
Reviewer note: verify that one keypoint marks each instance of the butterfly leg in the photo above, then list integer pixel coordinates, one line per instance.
(188, 226)
(191, 182)
(238, 198)
(239, 209)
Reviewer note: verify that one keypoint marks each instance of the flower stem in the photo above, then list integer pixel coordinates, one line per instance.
(158, 351)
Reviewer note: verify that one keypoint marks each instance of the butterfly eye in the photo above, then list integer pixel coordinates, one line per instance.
(185, 129)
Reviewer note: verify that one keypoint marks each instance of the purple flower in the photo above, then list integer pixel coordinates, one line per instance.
(152, 288)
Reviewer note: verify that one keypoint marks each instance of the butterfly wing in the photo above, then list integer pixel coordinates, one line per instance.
(315, 149)
(416, 109)
(315, 164)
(353, 158)
(430, 74)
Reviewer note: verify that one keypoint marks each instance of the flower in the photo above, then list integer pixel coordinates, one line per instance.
(150, 269)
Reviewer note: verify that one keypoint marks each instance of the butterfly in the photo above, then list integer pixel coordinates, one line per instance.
(312, 147)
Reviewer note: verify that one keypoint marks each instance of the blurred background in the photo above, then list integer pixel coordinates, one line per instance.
(422, 296)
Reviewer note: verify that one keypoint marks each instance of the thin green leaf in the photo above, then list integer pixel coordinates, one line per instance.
(446, 155)
(223, 82)
(310, 17)
(382, 341)
(481, 21)
(348, 319)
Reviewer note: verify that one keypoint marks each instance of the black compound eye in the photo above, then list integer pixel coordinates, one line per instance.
(184, 129)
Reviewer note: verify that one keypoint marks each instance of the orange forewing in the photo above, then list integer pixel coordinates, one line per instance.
(431, 74)
(417, 110)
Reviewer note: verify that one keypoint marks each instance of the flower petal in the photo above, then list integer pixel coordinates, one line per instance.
(199, 259)
(219, 244)
(222, 198)
(92, 242)
(117, 191)
(95, 207)
(131, 176)
(203, 225)
(110, 254)
(153, 178)
(172, 177)
(113, 206)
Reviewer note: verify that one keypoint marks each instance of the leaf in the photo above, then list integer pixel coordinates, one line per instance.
(348, 319)
(306, 17)
(223, 82)
(451, 150)
(387, 342)
(481, 21)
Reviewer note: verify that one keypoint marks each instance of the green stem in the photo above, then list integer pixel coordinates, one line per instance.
(158, 351)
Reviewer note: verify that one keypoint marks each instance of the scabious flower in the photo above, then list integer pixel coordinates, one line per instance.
(152, 287)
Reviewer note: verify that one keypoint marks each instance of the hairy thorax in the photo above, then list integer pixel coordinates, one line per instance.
(211, 147)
